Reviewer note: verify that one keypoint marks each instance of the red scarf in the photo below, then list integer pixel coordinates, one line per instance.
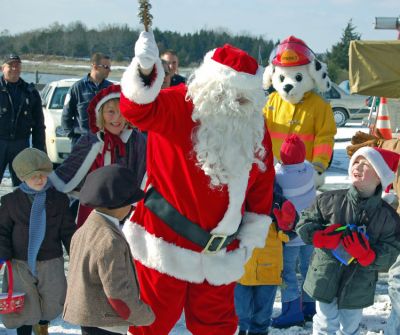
(112, 143)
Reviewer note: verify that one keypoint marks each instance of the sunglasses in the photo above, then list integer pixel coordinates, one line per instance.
(107, 67)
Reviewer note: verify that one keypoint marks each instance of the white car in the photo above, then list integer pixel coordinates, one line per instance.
(346, 106)
(53, 95)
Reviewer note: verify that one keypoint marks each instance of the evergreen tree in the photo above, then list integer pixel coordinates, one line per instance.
(76, 40)
(338, 58)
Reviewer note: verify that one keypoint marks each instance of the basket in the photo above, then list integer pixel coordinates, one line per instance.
(11, 302)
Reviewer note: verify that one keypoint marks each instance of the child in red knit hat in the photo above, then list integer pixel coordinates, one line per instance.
(366, 227)
(295, 176)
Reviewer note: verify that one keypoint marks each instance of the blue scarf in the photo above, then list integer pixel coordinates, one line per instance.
(37, 222)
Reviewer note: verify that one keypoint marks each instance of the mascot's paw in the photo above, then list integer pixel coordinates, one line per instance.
(319, 179)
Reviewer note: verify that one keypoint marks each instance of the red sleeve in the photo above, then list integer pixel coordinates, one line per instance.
(260, 192)
(167, 115)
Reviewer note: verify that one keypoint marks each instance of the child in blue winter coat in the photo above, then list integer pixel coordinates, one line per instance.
(295, 177)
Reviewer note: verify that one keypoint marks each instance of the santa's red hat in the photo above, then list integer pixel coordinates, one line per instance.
(293, 150)
(106, 94)
(234, 66)
(384, 162)
(292, 51)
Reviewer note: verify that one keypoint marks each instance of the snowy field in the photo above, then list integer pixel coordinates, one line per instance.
(374, 318)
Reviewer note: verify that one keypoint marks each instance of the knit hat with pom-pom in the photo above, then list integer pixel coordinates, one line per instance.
(293, 150)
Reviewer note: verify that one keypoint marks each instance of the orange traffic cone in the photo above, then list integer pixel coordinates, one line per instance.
(383, 121)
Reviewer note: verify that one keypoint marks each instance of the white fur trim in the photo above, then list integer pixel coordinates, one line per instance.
(254, 230)
(195, 267)
(233, 215)
(385, 174)
(132, 85)
(232, 77)
(115, 95)
(61, 186)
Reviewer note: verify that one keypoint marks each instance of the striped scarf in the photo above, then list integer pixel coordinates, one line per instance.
(37, 222)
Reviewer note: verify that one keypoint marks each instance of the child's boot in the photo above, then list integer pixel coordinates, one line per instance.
(293, 315)
(309, 310)
(39, 329)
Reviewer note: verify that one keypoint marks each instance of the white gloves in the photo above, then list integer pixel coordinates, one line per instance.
(146, 50)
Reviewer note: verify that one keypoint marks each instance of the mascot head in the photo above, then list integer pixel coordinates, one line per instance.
(294, 70)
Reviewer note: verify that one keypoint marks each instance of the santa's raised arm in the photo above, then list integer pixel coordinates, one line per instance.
(209, 188)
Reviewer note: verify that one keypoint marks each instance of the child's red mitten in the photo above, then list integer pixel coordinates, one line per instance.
(285, 217)
(327, 238)
(358, 246)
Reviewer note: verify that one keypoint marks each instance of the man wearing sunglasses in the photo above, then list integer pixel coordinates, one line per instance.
(74, 117)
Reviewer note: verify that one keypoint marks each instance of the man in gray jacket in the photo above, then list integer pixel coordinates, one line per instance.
(103, 291)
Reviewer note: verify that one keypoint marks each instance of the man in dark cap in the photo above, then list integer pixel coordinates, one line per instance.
(103, 293)
(21, 115)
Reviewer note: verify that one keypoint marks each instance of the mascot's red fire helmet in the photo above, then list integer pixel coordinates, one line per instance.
(292, 51)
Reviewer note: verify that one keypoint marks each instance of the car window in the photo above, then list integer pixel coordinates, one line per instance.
(332, 94)
(57, 101)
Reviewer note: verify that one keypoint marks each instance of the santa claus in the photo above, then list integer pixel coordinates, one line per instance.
(209, 186)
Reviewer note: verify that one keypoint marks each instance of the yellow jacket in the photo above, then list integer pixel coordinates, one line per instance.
(266, 264)
(311, 119)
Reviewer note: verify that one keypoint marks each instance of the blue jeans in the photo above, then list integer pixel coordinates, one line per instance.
(393, 324)
(291, 255)
(254, 306)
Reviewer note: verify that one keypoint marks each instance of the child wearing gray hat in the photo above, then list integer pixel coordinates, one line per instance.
(34, 224)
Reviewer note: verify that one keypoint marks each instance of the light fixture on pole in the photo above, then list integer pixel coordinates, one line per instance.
(387, 22)
(392, 23)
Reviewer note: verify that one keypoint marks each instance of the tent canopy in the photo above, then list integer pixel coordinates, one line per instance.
(374, 68)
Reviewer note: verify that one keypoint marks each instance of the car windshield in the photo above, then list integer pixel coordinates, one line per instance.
(332, 94)
(57, 101)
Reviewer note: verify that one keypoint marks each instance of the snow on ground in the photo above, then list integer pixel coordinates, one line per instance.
(375, 316)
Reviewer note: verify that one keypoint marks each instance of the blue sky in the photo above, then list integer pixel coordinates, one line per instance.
(319, 23)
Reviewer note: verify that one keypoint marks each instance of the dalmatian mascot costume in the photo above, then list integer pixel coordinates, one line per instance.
(296, 107)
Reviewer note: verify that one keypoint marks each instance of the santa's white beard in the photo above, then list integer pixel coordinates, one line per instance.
(229, 137)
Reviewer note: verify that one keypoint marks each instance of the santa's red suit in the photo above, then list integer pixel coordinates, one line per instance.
(174, 273)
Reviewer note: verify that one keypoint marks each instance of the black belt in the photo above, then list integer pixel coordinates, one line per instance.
(210, 243)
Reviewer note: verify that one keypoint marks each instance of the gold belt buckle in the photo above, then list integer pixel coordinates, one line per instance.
(211, 240)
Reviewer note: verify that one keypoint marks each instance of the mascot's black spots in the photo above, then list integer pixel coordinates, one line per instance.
(324, 75)
(318, 65)
(328, 84)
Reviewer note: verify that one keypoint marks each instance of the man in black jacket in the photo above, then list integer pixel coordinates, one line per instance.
(21, 115)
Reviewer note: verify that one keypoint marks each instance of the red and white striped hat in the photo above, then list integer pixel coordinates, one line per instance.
(106, 94)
